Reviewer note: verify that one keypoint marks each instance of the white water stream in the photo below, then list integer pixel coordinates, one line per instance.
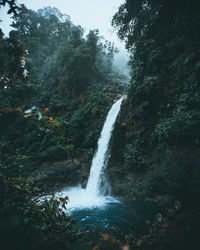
(94, 194)
(99, 159)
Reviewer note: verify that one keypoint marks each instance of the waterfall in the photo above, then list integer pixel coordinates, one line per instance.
(99, 159)
(93, 195)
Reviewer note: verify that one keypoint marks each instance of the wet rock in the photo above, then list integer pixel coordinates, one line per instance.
(164, 182)
(52, 176)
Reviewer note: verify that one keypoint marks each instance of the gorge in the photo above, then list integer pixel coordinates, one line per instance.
(114, 175)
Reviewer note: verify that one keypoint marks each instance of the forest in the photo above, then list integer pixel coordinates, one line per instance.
(58, 88)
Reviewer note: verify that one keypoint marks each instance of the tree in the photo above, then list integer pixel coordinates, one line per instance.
(163, 95)
(12, 5)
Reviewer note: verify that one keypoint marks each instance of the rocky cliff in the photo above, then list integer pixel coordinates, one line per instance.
(53, 176)
(142, 169)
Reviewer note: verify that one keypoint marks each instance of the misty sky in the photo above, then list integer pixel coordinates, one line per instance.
(90, 14)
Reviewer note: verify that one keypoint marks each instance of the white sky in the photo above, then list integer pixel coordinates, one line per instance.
(90, 14)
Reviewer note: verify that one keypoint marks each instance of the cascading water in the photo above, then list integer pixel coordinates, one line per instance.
(99, 159)
(93, 195)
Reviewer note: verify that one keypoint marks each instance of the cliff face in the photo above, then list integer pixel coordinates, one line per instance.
(175, 177)
(146, 171)
(53, 176)
(157, 136)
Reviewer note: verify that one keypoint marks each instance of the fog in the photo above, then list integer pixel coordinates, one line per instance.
(90, 14)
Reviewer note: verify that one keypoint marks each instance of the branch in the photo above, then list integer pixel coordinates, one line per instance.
(9, 109)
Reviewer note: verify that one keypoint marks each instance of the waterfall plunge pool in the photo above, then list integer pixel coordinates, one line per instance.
(80, 198)
(116, 218)
(105, 214)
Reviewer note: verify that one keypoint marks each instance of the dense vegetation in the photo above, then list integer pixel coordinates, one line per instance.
(53, 101)
(156, 143)
(65, 78)
(54, 85)
(161, 114)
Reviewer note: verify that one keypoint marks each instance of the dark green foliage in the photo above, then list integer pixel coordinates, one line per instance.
(12, 5)
(65, 72)
(27, 223)
(86, 122)
(10, 60)
(54, 98)
(134, 157)
(164, 92)
(16, 165)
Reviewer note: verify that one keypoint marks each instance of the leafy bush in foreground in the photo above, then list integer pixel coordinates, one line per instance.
(27, 223)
